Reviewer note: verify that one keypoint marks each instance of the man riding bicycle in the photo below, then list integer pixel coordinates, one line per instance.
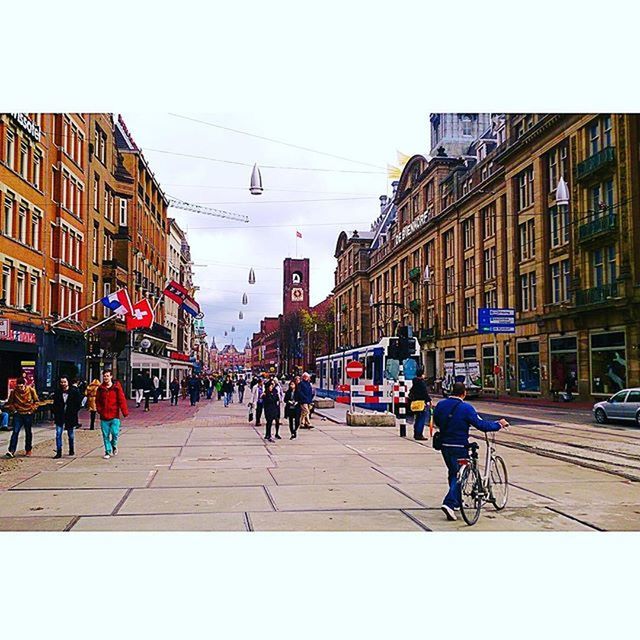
(454, 416)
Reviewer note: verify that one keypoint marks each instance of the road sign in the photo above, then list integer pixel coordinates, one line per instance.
(496, 320)
(354, 369)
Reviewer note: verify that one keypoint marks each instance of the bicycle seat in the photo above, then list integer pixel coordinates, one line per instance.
(473, 446)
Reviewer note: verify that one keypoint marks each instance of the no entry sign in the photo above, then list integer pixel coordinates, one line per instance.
(354, 369)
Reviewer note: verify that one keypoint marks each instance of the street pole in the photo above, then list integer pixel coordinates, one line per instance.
(495, 364)
(402, 407)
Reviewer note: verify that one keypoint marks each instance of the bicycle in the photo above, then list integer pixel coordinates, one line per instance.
(476, 488)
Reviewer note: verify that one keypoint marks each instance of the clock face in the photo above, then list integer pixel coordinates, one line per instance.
(297, 294)
(296, 278)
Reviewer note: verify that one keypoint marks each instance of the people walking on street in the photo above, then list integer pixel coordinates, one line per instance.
(227, 388)
(90, 394)
(242, 383)
(138, 388)
(419, 404)
(23, 401)
(219, 387)
(258, 390)
(208, 383)
(194, 389)
(156, 389)
(174, 388)
(454, 416)
(66, 404)
(184, 388)
(292, 409)
(271, 403)
(4, 420)
(304, 395)
(110, 402)
(147, 389)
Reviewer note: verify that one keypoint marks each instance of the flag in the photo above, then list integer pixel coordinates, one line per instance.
(393, 173)
(298, 234)
(403, 158)
(175, 291)
(118, 301)
(191, 306)
(141, 316)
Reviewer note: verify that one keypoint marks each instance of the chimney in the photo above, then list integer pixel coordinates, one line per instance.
(394, 186)
(383, 202)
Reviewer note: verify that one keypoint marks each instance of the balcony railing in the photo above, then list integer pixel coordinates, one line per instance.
(414, 274)
(596, 162)
(414, 305)
(596, 295)
(600, 226)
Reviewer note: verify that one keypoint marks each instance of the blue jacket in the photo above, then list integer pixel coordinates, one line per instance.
(456, 429)
(304, 392)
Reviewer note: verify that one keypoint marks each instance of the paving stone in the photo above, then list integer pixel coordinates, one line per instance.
(608, 518)
(139, 453)
(224, 451)
(222, 462)
(304, 460)
(35, 523)
(568, 473)
(400, 460)
(328, 475)
(115, 464)
(62, 502)
(589, 493)
(196, 500)
(333, 521)
(171, 522)
(86, 480)
(346, 496)
(212, 477)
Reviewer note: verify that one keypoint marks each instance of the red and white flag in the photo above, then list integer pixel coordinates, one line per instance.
(298, 234)
(176, 292)
(141, 317)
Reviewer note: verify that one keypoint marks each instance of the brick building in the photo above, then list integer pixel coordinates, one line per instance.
(229, 358)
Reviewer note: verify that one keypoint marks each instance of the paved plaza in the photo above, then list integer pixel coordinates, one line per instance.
(207, 469)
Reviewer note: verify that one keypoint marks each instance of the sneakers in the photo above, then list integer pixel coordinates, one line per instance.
(106, 456)
(9, 454)
(115, 451)
(28, 453)
(278, 437)
(449, 512)
(420, 438)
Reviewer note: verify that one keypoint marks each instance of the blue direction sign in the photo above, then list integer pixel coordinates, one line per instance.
(496, 320)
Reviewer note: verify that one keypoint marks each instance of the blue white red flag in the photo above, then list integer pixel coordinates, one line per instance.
(118, 301)
(191, 306)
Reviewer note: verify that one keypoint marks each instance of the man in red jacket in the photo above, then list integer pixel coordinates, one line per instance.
(110, 402)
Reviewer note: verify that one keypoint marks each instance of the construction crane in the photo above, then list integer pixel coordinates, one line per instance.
(207, 211)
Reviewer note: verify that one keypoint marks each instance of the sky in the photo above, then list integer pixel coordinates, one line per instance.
(319, 204)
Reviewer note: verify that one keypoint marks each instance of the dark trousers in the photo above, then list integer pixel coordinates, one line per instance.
(419, 422)
(174, 398)
(294, 422)
(93, 420)
(240, 395)
(258, 413)
(19, 421)
(60, 429)
(270, 421)
(147, 395)
(451, 456)
(156, 395)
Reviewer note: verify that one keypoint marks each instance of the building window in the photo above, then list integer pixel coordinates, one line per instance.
(564, 364)
(22, 225)
(35, 232)
(608, 362)
(37, 168)
(559, 225)
(470, 311)
(123, 212)
(11, 149)
(557, 166)
(96, 193)
(107, 291)
(7, 226)
(599, 134)
(33, 293)
(560, 281)
(94, 298)
(528, 291)
(525, 189)
(488, 362)
(468, 231)
(96, 232)
(601, 199)
(6, 284)
(528, 366)
(448, 244)
(449, 280)
(489, 263)
(470, 272)
(24, 156)
(489, 221)
(527, 237)
(20, 289)
(491, 299)
(450, 316)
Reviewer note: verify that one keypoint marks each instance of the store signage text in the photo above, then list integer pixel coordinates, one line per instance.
(28, 125)
(20, 336)
(404, 233)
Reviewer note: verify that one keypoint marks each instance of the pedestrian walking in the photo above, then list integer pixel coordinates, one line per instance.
(4, 420)
(219, 387)
(67, 401)
(194, 389)
(271, 403)
(110, 402)
(184, 388)
(258, 390)
(227, 389)
(208, 383)
(23, 402)
(454, 417)
(174, 388)
(147, 389)
(419, 404)
(304, 395)
(156, 389)
(292, 409)
(138, 388)
(90, 394)
(242, 383)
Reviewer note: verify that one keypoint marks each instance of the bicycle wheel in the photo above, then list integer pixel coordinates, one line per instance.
(470, 495)
(499, 489)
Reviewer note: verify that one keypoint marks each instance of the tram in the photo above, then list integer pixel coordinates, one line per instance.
(331, 376)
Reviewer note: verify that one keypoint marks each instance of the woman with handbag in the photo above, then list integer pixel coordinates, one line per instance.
(292, 409)
(419, 401)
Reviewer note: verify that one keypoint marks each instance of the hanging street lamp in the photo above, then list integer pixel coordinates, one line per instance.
(252, 276)
(245, 299)
(240, 315)
(255, 187)
(562, 192)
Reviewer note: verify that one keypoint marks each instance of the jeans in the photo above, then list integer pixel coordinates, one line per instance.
(110, 432)
(240, 395)
(21, 420)
(227, 398)
(418, 425)
(4, 420)
(209, 393)
(451, 456)
(70, 432)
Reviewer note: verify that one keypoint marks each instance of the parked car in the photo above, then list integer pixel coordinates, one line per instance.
(624, 405)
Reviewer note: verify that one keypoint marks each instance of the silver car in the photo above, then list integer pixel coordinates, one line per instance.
(624, 405)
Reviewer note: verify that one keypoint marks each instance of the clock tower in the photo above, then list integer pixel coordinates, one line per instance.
(295, 286)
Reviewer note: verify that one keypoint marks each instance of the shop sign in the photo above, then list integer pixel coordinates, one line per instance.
(408, 230)
(179, 356)
(19, 336)
(28, 125)
(49, 374)
(5, 328)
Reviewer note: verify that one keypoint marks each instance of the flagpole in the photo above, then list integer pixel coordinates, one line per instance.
(75, 313)
(92, 327)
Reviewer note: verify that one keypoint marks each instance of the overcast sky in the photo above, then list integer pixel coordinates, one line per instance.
(226, 249)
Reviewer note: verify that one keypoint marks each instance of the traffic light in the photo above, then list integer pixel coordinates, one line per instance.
(406, 342)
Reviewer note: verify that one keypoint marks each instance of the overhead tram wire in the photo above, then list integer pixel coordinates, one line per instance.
(282, 142)
(267, 189)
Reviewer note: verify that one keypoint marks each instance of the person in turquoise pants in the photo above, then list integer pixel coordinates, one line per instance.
(110, 403)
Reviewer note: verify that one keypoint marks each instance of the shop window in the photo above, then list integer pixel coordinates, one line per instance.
(608, 362)
(564, 364)
(528, 366)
